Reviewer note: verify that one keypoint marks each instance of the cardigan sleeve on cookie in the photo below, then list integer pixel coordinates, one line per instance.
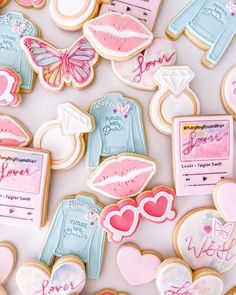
(139, 139)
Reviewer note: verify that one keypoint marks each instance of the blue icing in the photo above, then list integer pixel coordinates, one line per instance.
(119, 128)
(75, 231)
(211, 21)
(13, 26)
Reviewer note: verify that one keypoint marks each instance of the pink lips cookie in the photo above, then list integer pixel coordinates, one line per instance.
(10, 83)
(117, 36)
(139, 71)
(13, 133)
(123, 176)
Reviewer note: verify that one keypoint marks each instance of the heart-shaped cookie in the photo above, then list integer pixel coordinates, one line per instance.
(174, 276)
(139, 71)
(66, 277)
(136, 266)
(224, 198)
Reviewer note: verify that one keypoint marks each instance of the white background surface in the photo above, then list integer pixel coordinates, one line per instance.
(41, 105)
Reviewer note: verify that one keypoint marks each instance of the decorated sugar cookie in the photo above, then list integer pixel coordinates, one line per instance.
(59, 67)
(174, 277)
(13, 27)
(224, 197)
(202, 153)
(204, 239)
(24, 184)
(66, 277)
(70, 15)
(173, 98)
(10, 83)
(228, 92)
(13, 132)
(122, 176)
(75, 231)
(3, 3)
(136, 266)
(122, 219)
(139, 71)
(218, 16)
(119, 128)
(32, 3)
(117, 36)
(64, 137)
(145, 11)
(231, 291)
(8, 262)
(110, 292)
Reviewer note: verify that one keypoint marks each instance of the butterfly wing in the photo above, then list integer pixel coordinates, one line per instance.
(227, 231)
(46, 60)
(217, 228)
(81, 57)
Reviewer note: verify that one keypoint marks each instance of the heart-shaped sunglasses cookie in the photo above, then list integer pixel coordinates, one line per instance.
(66, 277)
(174, 277)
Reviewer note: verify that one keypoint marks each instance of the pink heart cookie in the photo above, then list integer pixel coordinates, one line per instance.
(139, 71)
(224, 199)
(137, 267)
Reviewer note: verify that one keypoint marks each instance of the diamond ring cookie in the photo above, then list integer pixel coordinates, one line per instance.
(139, 71)
(204, 239)
(173, 98)
(228, 92)
(66, 277)
(218, 16)
(174, 276)
(64, 137)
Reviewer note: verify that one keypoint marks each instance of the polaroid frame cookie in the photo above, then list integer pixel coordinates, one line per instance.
(117, 36)
(14, 26)
(217, 16)
(25, 177)
(173, 98)
(71, 18)
(67, 274)
(138, 72)
(138, 267)
(57, 68)
(202, 148)
(13, 132)
(200, 231)
(174, 276)
(67, 132)
(228, 92)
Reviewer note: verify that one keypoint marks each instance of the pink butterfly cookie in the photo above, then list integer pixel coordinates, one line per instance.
(59, 67)
(117, 36)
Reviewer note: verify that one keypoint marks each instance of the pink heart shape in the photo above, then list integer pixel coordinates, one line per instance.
(137, 267)
(156, 208)
(207, 229)
(224, 199)
(124, 221)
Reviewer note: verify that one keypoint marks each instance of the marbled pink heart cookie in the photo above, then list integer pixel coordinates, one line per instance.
(10, 83)
(32, 3)
(139, 71)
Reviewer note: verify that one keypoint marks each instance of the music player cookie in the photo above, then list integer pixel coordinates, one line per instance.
(138, 267)
(174, 276)
(13, 132)
(173, 98)
(64, 137)
(224, 197)
(66, 277)
(75, 231)
(119, 128)
(204, 239)
(122, 176)
(13, 27)
(145, 11)
(71, 15)
(8, 262)
(38, 4)
(139, 71)
(24, 184)
(228, 92)
(117, 36)
(202, 153)
(56, 68)
(110, 292)
(217, 16)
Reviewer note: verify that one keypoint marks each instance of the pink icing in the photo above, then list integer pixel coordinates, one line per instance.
(7, 263)
(137, 268)
(30, 3)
